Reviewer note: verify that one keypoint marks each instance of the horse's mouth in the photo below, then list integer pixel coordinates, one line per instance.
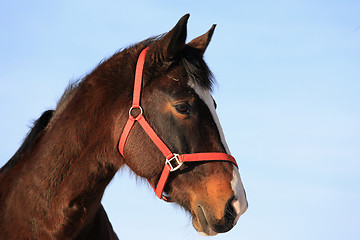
(201, 223)
(207, 225)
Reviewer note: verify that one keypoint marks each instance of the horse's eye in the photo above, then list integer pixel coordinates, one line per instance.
(183, 108)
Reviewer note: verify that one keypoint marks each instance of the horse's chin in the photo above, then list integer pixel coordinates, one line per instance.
(201, 224)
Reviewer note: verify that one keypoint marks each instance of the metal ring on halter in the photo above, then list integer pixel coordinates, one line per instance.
(132, 108)
(178, 163)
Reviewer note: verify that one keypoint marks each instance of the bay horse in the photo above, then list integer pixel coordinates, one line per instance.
(148, 107)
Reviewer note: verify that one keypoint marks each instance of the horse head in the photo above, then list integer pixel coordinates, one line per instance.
(176, 102)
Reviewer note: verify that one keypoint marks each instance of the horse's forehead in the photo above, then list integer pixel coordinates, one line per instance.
(179, 75)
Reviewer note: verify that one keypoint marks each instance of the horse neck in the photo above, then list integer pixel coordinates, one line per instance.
(67, 169)
(79, 144)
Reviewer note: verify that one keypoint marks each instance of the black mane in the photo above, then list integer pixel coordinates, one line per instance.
(39, 126)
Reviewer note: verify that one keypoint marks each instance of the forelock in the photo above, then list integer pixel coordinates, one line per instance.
(196, 68)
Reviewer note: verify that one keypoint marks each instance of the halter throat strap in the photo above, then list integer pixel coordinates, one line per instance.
(173, 161)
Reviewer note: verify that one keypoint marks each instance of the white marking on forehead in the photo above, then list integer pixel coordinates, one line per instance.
(209, 101)
(240, 203)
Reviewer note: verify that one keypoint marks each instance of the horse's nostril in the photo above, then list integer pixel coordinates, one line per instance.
(230, 212)
(228, 221)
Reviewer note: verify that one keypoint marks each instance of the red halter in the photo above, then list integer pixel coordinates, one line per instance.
(173, 161)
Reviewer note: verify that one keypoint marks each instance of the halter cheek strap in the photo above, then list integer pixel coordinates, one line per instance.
(173, 161)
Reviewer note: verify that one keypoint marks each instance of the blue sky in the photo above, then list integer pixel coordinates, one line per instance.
(288, 76)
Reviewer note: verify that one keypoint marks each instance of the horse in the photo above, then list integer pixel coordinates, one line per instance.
(148, 107)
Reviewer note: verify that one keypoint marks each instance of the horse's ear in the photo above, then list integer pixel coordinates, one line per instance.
(172, 42)
(203, 41)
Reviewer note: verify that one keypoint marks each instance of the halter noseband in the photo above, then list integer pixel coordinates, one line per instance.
(173, 161)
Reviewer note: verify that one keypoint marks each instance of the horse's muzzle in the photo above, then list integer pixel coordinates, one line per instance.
(208, 223)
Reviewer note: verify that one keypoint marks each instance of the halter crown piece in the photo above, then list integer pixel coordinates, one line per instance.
(173, 161)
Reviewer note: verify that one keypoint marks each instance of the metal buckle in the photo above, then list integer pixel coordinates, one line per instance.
(178, 163)
(132, 108)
